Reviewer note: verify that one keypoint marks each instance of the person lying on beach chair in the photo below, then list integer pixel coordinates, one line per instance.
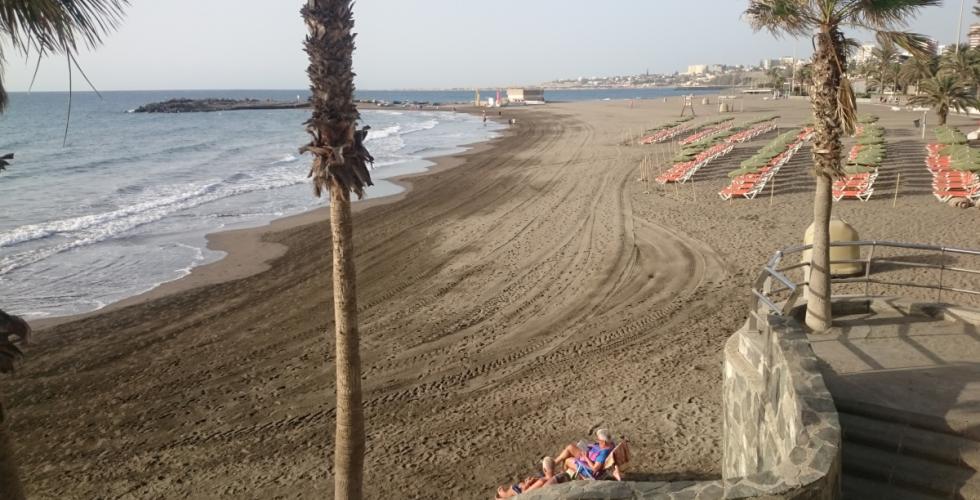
(587, 460)
(547, 478)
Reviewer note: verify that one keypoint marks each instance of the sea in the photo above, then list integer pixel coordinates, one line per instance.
(122, 203)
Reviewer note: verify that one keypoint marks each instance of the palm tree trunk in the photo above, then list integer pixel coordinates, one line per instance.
(827, 74)
(339, 165)
(349, 437)
(10, 487)
(818, 310)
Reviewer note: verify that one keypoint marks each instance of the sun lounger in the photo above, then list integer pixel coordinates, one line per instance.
(858, 186)
(947, 182)
(749, 185)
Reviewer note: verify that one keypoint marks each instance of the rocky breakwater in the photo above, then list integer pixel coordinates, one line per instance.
(210, 105)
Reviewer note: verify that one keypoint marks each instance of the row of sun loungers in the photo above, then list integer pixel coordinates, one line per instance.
(708, 130)
(699, 154)
(667, 131)
(751, 179)
(863, 161)
(955, 167)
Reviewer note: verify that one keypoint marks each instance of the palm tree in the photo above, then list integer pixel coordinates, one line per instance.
(10, 326)
(804, 75)
(965, 64)
(885, 57)
(916, 69)
(832, 100)
(776, 78)
(340, 166)
(944, 92)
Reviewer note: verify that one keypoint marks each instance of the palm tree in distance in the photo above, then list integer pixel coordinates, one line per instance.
(832, 100)
(965, 64)
(804, 76)
(339, 165)
(945, 92)
(776, 78)
(885, 57)
(916, 69)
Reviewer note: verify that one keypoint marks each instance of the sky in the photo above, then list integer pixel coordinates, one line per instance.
(428, 44)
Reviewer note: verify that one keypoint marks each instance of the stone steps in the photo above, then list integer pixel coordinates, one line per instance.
(859, 488)
(915, 475)
(905, 439)
(890, 453)
(926, 422)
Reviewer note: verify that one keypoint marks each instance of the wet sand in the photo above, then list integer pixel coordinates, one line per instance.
(518, 296)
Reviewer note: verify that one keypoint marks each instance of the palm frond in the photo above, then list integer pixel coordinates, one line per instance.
(885, 14)
(780, 17)
(5, 161)
(13, 330)
(340, 155)
(846, 106)
(914, 43)
(58, 25)
(851, 45)
(55, 26)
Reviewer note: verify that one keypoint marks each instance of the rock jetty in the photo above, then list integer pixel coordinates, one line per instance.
(209, 105)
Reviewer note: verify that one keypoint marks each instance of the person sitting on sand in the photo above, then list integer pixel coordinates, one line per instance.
(547, 478)
(587, 459)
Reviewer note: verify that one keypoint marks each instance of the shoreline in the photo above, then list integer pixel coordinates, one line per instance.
(246, 250)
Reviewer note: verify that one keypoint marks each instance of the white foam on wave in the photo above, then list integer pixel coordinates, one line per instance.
(90, 229)
(285, 159)
(422, 126)
(374, 135)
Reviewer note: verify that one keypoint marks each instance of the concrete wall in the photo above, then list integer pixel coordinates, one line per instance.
(781, 432)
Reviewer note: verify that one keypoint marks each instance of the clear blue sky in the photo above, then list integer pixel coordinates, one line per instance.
(256, 44)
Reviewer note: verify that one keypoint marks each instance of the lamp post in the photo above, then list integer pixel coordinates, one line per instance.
(959, 28)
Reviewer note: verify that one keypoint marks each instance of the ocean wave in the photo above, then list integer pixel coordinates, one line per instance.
(420, 127)
(285, 159)
(374, 135)
(90, 229)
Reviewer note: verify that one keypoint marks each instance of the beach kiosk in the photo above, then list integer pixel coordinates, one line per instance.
(839, 231)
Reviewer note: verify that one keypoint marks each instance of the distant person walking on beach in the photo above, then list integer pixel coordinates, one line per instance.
(484, 118)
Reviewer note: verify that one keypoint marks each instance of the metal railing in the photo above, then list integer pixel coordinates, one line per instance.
(773, 281)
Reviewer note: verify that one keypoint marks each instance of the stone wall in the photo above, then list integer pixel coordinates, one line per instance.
(781, 432)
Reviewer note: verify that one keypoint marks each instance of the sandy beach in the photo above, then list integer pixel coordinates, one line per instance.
(516, 297)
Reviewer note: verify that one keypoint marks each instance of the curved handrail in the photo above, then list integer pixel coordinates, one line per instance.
(773, 280)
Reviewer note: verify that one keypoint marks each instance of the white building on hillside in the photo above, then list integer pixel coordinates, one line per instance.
(864, 53)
